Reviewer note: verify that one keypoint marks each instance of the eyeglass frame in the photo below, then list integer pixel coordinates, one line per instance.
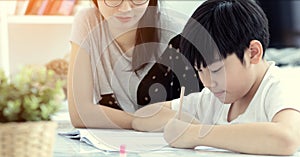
(121, 1)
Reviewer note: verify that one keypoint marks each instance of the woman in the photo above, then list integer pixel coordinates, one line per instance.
(114, 47)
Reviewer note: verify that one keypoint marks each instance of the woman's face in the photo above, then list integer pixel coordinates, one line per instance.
(126, 15)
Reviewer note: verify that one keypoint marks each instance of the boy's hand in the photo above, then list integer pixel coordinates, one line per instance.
(181, 134)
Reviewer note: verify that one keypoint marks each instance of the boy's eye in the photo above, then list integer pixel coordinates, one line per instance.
(214, 71)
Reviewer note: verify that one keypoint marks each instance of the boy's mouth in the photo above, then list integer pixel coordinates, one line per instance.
(219, 94)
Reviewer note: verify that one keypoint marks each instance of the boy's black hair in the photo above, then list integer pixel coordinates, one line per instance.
(219, 28)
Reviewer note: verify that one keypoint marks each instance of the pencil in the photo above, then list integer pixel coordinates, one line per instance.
(180, 101)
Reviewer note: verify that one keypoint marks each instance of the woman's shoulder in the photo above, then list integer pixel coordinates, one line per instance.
(85, 22)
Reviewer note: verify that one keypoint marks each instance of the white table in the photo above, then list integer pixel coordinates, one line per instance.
(65, 147)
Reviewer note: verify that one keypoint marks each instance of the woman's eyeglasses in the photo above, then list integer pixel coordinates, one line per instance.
(116, 3)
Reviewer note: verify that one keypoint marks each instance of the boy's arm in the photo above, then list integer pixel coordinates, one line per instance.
(279, 137)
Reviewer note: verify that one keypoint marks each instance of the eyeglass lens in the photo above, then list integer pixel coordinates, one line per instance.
(115, 3)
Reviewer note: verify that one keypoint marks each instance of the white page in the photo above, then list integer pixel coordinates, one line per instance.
(111, 139)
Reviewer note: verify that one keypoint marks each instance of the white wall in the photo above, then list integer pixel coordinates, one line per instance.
(3, 36)
(1, 64)
(40, 43)
(180, 11)
(37, 43)
(186, 7)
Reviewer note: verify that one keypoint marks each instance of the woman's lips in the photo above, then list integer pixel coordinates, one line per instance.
(123, 19)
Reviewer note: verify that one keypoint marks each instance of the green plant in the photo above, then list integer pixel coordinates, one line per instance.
(33, 94)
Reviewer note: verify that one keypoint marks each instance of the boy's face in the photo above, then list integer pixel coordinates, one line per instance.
(228, 79)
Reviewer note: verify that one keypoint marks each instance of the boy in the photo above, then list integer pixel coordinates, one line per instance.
(243, 106)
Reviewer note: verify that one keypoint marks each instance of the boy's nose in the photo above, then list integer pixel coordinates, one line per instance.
(208, 82)
(125, 6)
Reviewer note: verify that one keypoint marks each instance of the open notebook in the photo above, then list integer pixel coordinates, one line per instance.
(112, 139)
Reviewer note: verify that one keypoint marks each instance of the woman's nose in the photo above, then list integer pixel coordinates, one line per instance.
(125, 6)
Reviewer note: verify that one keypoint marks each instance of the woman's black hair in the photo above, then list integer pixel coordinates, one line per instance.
(143, 53)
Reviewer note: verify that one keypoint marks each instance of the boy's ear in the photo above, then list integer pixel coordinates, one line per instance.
(256, 51)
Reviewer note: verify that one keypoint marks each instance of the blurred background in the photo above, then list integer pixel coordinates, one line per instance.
(37, 31)
(34, 32)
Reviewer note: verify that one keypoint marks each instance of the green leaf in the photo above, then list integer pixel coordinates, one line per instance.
(33, 94)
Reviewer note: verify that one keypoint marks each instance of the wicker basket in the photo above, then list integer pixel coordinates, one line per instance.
(27, 139)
